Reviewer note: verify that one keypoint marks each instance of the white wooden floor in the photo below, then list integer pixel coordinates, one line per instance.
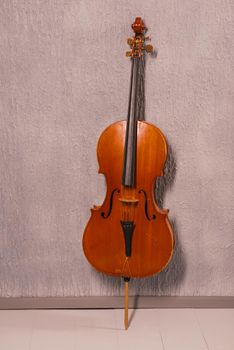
(156, 329)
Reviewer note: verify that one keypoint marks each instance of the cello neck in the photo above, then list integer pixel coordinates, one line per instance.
(138, 50)
(129, 164)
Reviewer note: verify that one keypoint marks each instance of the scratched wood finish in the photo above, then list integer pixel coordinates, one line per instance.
(152, 242)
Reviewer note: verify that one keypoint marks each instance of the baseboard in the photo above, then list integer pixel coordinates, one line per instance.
(115, 302)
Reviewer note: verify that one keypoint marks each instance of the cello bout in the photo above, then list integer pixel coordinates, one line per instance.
(128, 235)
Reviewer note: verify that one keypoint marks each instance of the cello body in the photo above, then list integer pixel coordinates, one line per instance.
(129, 235)
(148, 248)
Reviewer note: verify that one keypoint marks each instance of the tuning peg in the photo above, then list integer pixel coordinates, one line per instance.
(129, 53)
(130, 41)
(149, 48)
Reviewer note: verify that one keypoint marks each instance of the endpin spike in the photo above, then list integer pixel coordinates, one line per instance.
(126, 280)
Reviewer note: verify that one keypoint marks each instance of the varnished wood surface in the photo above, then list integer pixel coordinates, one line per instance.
(126, 305)
(152, 242)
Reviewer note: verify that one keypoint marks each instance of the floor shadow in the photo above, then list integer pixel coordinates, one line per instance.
(135, 306)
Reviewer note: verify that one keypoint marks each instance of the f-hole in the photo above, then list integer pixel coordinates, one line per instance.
(103, 215)
(146, 207)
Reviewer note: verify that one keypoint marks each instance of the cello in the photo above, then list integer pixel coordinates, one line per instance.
(129, 235)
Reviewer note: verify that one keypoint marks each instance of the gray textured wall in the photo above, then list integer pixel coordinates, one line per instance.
(64, 78)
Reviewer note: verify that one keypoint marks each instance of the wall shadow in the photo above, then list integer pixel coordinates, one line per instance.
(168, 281)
